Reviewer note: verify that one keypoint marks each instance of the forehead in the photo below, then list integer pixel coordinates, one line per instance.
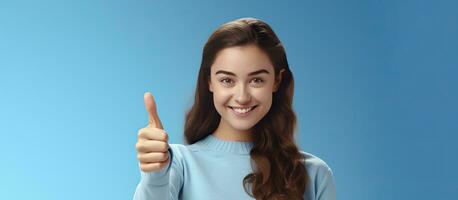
(242, 60)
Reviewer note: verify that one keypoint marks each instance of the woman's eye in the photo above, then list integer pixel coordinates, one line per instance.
(258, 81)
(229, 82)
(226, 81)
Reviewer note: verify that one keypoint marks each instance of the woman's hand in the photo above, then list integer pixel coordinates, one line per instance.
(152, 144)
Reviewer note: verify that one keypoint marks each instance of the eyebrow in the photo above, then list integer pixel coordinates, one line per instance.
(250, 74)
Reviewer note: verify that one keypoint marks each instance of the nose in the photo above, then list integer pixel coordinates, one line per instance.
(242, 95)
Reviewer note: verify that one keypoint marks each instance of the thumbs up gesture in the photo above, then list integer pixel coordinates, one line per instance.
(152, 144)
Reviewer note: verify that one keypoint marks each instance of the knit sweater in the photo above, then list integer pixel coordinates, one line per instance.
(213, 168)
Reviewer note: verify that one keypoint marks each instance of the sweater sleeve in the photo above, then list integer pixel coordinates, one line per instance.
(327, 188)
(161, 185)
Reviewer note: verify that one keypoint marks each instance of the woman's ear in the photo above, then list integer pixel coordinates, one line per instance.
(210, 86)
(278, 80)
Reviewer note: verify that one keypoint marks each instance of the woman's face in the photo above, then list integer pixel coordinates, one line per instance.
(242, 81)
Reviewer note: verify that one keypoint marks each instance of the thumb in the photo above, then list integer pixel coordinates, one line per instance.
(153, 117)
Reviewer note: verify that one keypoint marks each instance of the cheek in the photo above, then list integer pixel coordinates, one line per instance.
(264, 95)
(220, 97)
(265, 99)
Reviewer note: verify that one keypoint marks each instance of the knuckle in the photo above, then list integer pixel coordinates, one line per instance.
(147, 168)
(141, 147)
(142, 166)
(141, 156)
(167, 156)
(164, 146)
(141, 132)
(164, 156)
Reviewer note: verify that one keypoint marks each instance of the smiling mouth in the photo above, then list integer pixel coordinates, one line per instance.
(242, 110)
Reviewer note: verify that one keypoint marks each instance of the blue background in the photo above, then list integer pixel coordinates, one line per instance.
(376, 90)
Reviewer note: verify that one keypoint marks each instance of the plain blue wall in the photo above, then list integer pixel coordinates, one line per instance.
(376, 90)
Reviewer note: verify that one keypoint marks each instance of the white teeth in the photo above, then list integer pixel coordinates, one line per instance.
(242, 110)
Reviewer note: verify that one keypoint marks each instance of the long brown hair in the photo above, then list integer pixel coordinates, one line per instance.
(278, 170)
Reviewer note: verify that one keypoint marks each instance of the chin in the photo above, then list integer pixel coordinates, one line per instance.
(242, 126)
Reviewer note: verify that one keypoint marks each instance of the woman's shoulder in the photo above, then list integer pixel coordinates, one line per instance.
(321, 178)
(314, 160)
(316, 167)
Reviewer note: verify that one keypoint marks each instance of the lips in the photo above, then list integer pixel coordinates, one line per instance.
(242, 111)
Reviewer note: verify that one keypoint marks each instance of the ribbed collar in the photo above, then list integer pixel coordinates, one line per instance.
(214, 143)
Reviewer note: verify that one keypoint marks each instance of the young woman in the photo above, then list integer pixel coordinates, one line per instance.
(239, 132)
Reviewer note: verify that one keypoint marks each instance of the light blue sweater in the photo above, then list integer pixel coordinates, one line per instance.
(214, 169)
